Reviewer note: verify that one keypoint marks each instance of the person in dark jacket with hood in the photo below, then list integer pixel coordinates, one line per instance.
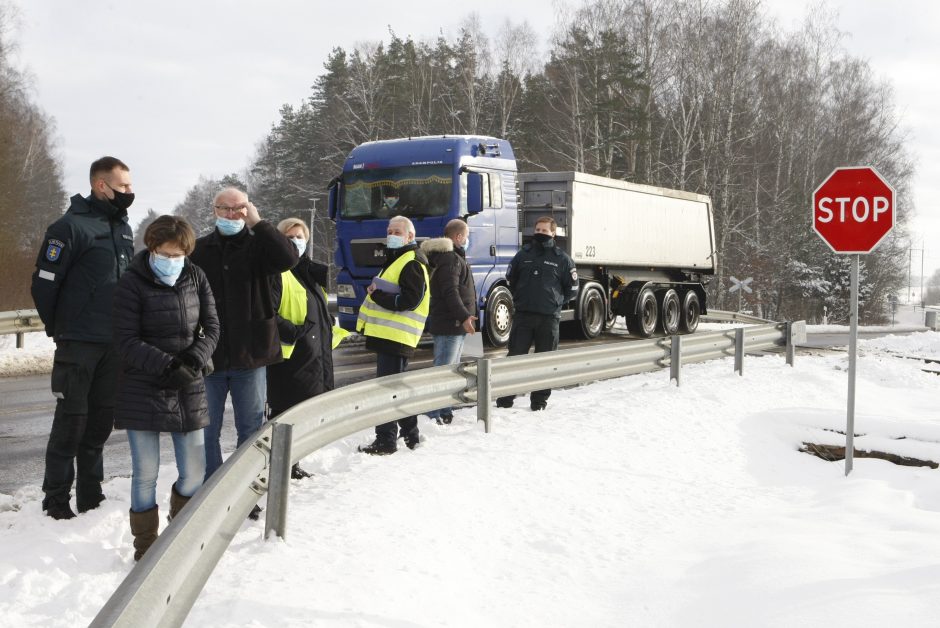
(392, 319)
(305, 328)
(82, 256)
(165, 328)
(240, 257)
(453, 299)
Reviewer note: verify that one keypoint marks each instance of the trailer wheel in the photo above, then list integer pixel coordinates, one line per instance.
(593, 313)
(691, 312)
(670, 312)
(644, 322)
(499, 311)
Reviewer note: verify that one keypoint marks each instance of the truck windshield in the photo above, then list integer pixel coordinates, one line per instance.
(414, 191)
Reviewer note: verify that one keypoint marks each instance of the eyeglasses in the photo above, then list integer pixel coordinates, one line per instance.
(231, 210)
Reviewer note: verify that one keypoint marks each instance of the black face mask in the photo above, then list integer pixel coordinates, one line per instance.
(542, 238)
(121, 200)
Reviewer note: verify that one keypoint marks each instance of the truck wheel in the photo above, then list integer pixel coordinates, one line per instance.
(593, 314)
(499, 311)
(670, 312)
(691, 311)
(644, 322)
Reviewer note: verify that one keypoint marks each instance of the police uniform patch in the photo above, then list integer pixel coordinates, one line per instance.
(54, 250)
(574, 275)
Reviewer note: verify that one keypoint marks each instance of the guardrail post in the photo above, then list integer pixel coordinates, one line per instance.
(739, 351)
(791, 350)
(675, 360)
(279, 480)
(484, 392)
(20, 339)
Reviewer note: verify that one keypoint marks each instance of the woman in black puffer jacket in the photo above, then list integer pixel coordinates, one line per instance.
(165, 329)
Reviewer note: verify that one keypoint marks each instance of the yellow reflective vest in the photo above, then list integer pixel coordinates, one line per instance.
(404, 327)
(293, 306)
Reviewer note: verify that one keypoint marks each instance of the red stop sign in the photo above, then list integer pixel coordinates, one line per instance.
(853, 210)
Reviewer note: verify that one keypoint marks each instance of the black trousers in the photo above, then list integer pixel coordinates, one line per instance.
(84, 381)
(530, 329)
(390, 364)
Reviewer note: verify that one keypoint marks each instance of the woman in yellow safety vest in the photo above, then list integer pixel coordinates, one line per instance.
(305, 327)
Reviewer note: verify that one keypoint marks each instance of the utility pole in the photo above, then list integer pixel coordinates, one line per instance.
(922, 251)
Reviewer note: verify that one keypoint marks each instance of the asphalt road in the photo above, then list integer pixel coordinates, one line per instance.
(27, 406)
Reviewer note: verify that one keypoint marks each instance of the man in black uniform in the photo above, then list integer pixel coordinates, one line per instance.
(82, 255)
(542, 278)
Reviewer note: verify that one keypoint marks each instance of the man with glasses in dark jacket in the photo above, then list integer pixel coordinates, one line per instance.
(82, 256)
(240, 258)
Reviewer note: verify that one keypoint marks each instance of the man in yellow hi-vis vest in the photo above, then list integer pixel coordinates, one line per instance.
(392, 320)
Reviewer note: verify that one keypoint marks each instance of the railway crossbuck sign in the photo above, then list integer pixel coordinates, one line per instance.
(853, 210)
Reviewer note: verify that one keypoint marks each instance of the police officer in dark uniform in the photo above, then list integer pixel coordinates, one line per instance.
(82, 256)
(542, 278)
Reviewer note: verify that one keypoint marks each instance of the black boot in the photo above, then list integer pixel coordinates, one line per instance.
(505, 402)
(84, 505)
(296, 473)
(59, 510)
(380, 447)
(412, 438)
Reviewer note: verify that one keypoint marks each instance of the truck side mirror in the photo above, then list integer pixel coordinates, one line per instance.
(474, 192)
(333, 202)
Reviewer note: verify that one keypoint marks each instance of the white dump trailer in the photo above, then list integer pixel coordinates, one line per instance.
(642, 252)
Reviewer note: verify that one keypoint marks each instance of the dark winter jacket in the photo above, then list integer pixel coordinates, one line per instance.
(240, 269)
(453, 295)
(309, 370)
(153, 323)
(412, 286)
(82, 256)
(542, 279)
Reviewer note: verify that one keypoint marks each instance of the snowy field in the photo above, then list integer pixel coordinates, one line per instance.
(627, 503)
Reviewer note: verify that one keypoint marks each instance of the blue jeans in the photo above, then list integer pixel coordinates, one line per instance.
(145, 463)
(447, 350)
(249, 390)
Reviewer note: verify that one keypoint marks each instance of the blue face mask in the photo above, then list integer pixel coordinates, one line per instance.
(466, 244)
(394, 242)
(166, 269)
(229, 227)
(301, 245)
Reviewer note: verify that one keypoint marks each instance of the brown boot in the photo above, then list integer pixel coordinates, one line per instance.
(177, 502)
(144, 527)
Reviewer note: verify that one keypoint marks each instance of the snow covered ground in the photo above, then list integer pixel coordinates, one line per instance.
(627, 503)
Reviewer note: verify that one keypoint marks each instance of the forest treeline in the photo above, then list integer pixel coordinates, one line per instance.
(709, 97)
(31, 192)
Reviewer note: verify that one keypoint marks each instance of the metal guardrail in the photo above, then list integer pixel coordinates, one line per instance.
(19, 322)
(734, 317)
(162, 588)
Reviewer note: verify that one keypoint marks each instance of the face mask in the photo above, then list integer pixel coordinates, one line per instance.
(166, 269)
(466, 244)
(542, 238)
(229, 227)
(121, 200)
(301, 245)
(394, 242)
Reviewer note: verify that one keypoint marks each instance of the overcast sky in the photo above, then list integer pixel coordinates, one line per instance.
(180, 88)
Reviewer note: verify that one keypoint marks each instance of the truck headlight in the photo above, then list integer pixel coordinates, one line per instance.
(345, 291)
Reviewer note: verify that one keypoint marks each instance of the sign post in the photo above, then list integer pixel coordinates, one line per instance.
(853, 211)
(743, 286)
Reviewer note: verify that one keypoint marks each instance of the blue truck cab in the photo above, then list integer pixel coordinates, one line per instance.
(431, 180)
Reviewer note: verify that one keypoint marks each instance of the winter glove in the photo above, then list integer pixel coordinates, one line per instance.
(190, 360)
(177, 375)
